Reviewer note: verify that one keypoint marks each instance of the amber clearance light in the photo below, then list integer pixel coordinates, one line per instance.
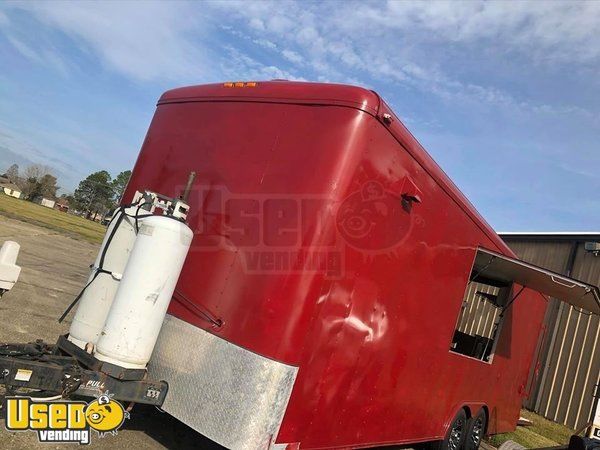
(240, 84)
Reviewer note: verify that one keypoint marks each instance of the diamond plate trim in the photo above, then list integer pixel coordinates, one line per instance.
(230, 395)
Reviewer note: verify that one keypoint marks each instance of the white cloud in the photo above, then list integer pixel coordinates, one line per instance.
(238, 66)
(387, 42)
(45, 56)
(24, 49)
(3, 20)
(265, 43)
(257, 24)
(393, 42)
(144, 41)
(292, 56)
(552, 30)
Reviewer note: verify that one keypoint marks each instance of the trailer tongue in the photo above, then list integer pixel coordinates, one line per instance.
(124, 301)
(63, 370)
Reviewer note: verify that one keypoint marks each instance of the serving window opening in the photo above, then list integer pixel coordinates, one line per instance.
(478, 326)
(489, 295)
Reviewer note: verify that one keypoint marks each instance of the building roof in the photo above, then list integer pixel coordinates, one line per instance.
(551, 235)
(5, 183)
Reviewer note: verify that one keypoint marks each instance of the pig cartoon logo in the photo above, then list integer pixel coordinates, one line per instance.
(373, 219)
(105, 415)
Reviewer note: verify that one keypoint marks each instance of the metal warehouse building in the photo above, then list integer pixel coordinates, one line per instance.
(568, 366)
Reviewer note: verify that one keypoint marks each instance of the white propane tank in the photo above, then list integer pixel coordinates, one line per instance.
(140, 306)
(98, 297)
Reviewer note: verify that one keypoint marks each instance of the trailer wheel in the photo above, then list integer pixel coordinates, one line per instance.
(455, 436)
(476, 430)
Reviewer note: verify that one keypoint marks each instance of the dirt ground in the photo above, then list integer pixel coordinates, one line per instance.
(54, 268)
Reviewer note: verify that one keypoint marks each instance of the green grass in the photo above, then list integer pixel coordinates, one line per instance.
(543, 433)
(29, 212)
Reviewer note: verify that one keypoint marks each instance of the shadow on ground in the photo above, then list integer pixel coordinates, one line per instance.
(166, 430)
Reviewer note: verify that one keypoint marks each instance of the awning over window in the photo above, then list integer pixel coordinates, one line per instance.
(569, 290)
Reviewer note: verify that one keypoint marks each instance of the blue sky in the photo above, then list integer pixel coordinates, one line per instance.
(504, 95)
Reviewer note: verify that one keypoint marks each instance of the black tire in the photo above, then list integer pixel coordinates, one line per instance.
(455, 436)
(476, 430)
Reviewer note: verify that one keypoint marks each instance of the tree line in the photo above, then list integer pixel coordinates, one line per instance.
(96, 194)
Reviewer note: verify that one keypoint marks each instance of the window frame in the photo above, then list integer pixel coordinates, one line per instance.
(505, 295)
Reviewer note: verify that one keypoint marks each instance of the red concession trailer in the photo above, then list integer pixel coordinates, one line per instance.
(340, 291)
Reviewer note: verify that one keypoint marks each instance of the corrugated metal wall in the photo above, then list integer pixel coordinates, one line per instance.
(570, 353)
(478, 315)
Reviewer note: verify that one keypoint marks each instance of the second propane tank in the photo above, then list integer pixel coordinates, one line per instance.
(98, 296)
(145, 291)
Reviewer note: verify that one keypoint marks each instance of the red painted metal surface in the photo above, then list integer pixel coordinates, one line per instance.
(300, 171)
